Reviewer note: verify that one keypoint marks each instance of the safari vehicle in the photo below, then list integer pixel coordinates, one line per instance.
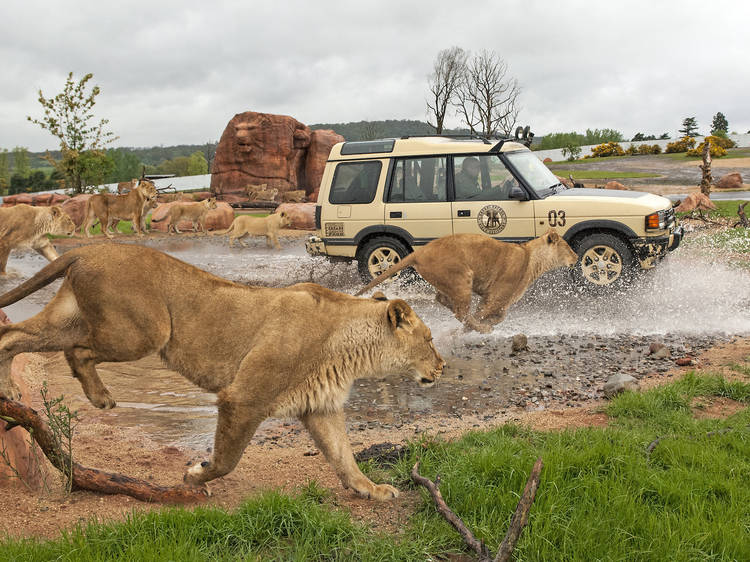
(380, 199)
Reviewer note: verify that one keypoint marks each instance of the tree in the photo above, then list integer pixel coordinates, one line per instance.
(486, 98)
(21, 161)
(197, 164)
(69, 117)
(4, 170)
(571, 151)
(637, 137)
(664, 136)
(369, 130)
(719, 123)
(447, 73)
(689, 127)
(126, 166)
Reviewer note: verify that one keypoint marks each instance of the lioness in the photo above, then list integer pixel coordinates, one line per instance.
(296, 196)
(193, 212)
(104, 206)
(24, 226)
(260, 193)
(244, 225)
(264, 351)
(498, 271)
(147, 206)
(126, 186)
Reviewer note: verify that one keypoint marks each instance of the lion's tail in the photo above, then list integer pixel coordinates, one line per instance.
(159, 219)
(223, 232)
(42, 278)
(390, 272)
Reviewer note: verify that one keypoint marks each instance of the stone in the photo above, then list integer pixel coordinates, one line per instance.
(616, 185)
(219, 218)
(43, 200)
(696, 201)
(684, 361)
(619, 383)
(302, 215)
(654, 347)
(729, 181)
(277, 150)
(547, 160)
(519, 343)
(75, 207)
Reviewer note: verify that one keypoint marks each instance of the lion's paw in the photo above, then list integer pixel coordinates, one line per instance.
(105, 402)
(195, 474)
(10, 391)
(383, 492)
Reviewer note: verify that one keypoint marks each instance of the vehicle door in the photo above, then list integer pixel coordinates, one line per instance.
(486, 199)
(417, 198)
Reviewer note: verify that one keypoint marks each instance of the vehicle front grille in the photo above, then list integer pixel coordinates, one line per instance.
(669, 218)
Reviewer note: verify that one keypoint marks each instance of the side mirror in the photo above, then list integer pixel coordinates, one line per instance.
(518, 194)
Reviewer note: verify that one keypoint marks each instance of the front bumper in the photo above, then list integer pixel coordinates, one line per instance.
(650, 250)
(315, 246)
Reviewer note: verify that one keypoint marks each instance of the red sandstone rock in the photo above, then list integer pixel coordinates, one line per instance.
(200, 195)
(43, 200)
(729, 181)
(616, 185)
(684, 361)
(302, 215)
(219, 218)
(546, 160)
(277, 150)
(76, 208)
(58, 199)
(695, 201)
(26, 198)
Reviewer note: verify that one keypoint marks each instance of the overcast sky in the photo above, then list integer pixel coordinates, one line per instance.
(175, 72)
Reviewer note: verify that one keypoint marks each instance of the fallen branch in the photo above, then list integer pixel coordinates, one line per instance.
(655, 442)
(744, 222)
(15, 413)
(517, 522)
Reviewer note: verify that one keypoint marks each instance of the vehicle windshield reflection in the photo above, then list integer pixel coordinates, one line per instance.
(534, 172)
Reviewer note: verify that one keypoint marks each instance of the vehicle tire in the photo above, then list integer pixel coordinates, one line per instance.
(378, 254)
(604, 261)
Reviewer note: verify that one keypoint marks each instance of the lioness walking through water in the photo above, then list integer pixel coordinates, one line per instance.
(498, 271)
(263, 351)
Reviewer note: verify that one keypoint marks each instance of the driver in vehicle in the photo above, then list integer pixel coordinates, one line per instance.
(467, 186)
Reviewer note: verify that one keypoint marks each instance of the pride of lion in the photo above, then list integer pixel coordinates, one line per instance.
(195, 212)
(500, 272)
(252, 346)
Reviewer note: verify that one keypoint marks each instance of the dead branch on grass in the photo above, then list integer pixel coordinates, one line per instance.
(84, 478)
(517, 522)
(743, 222)
(655, 442)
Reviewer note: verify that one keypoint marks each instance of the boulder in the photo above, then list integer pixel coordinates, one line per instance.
(200, 195)
(26, 198)
(547, 160)
(233, 198)
(696, 201)
(58, 199)
(519, 343)
(616, 185)
(43, 200)
(301, 214)
(619, 383)
(75, 207)
(729, 181)
(276, 150)
(219, 218)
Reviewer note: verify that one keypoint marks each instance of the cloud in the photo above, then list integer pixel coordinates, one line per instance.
(176, 72)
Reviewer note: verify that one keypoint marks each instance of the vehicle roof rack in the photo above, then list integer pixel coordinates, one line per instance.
(485, 140)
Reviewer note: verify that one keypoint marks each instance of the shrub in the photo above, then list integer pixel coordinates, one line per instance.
(607, 149)
(572, 151)
(632, 150)
(682, 145)
(715, 147)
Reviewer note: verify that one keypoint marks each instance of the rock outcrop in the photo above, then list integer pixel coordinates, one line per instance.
(37, 200)
(729, 181)
(75, 207)
(695, 201)
(276, 150)
(302, 215)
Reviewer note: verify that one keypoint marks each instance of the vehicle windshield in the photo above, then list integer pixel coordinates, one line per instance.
(534, 172)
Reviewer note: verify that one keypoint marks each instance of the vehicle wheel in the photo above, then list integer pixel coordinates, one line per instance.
(377, 255)
(604, 261)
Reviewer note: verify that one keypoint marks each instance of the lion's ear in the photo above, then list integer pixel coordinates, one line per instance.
(379, 296)
(552, 236)
(56, 211)
(400, 315)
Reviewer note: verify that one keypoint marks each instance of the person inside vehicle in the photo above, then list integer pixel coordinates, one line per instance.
(467, 186)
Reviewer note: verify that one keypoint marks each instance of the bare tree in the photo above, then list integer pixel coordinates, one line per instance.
(369, 130)
(447, 74)
(487, 98)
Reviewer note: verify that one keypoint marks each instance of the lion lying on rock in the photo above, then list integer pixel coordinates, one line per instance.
(24, 226)
(263, 351)
(246, 225)
(500, 272)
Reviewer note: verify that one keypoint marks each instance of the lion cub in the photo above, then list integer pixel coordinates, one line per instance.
(269, 226)
(194, 212)
(500, 272)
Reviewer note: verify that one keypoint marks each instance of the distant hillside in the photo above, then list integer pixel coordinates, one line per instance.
(368, 130)
(150, 156)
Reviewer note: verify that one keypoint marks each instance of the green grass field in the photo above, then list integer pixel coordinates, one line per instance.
(601, 497)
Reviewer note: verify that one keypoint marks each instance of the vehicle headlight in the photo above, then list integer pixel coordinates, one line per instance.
(656, 221)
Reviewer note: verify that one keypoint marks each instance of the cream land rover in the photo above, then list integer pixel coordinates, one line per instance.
(380, 199)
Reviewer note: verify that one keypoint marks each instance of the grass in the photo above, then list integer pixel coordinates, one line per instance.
(602, 497)
(600, 174)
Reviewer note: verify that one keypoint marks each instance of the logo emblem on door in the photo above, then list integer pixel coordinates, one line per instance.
(492, 219)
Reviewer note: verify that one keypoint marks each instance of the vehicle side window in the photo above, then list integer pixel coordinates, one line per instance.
(418, 180)
(482, 177)
(354, 182)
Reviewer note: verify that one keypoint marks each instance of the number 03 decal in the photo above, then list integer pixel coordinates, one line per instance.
(556, 218)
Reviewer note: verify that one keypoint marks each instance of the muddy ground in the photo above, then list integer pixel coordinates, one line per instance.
(697, 305)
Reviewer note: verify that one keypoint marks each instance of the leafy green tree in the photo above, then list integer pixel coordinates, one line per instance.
(571, 151)
(21, 161)
(126, 166)
(664, 136)
(69, 117)
(689, 127)
(197, 164)
(18, 184)
(4, 171)
(719, 123)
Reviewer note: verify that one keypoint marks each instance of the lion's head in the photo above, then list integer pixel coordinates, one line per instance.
(414, 351)
(284, 219)
(555, 250)
(61, 224)
(147, 189)
(210, 203)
